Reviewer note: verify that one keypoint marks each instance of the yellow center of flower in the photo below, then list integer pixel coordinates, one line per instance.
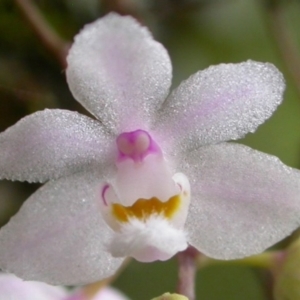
(143, 208)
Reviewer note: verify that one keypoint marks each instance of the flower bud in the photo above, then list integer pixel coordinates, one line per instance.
(168, 296)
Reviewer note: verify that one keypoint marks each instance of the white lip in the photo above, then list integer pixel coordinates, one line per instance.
(154, 239)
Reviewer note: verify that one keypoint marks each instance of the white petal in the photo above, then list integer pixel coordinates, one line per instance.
(59, 235)
(118, 72)
(242, 201)
(52, 143)
(14, 288)
(221, 103)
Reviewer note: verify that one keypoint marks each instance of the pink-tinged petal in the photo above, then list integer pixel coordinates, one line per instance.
(14, 288)
(52, 143)
(221, 103)
(118, 72)
(242, 201)
(106, 293)
(59, 236)
(109, 294)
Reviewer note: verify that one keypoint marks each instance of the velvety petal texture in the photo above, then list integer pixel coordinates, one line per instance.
(14, 288)
(220, 103)
(52, 143)
(243, 201)
(58, 236)
(118, 72)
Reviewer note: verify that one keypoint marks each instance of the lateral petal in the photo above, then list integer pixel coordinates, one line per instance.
(220, 103)
(59, 235)
(243, 201)
(51, 143)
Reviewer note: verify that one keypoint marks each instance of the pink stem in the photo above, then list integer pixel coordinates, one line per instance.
(54, 43)
(187, 272)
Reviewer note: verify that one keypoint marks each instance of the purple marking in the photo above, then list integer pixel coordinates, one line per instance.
(134, 151)
(104, 189)
(180, 186)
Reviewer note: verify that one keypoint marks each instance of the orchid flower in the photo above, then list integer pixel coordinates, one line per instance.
(152, 173)
(106, 293)
(14, 288)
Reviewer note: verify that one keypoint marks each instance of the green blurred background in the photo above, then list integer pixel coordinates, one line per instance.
(197, 33)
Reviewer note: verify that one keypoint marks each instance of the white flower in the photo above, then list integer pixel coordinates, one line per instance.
(14, 288)
(121, 185)
(105, 293)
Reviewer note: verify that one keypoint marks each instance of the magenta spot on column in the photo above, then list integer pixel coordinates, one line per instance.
(136, 145)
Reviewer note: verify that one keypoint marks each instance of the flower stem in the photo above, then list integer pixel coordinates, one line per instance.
(283, 39)
(51, 40)
(265, 260)
(123, 8)
(268, 284)
(187, 272)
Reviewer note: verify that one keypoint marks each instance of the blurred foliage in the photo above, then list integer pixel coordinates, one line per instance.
(197, 33)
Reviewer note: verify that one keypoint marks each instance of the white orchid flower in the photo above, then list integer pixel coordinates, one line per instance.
(153, 172)
(14, 288)
(105, 293)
